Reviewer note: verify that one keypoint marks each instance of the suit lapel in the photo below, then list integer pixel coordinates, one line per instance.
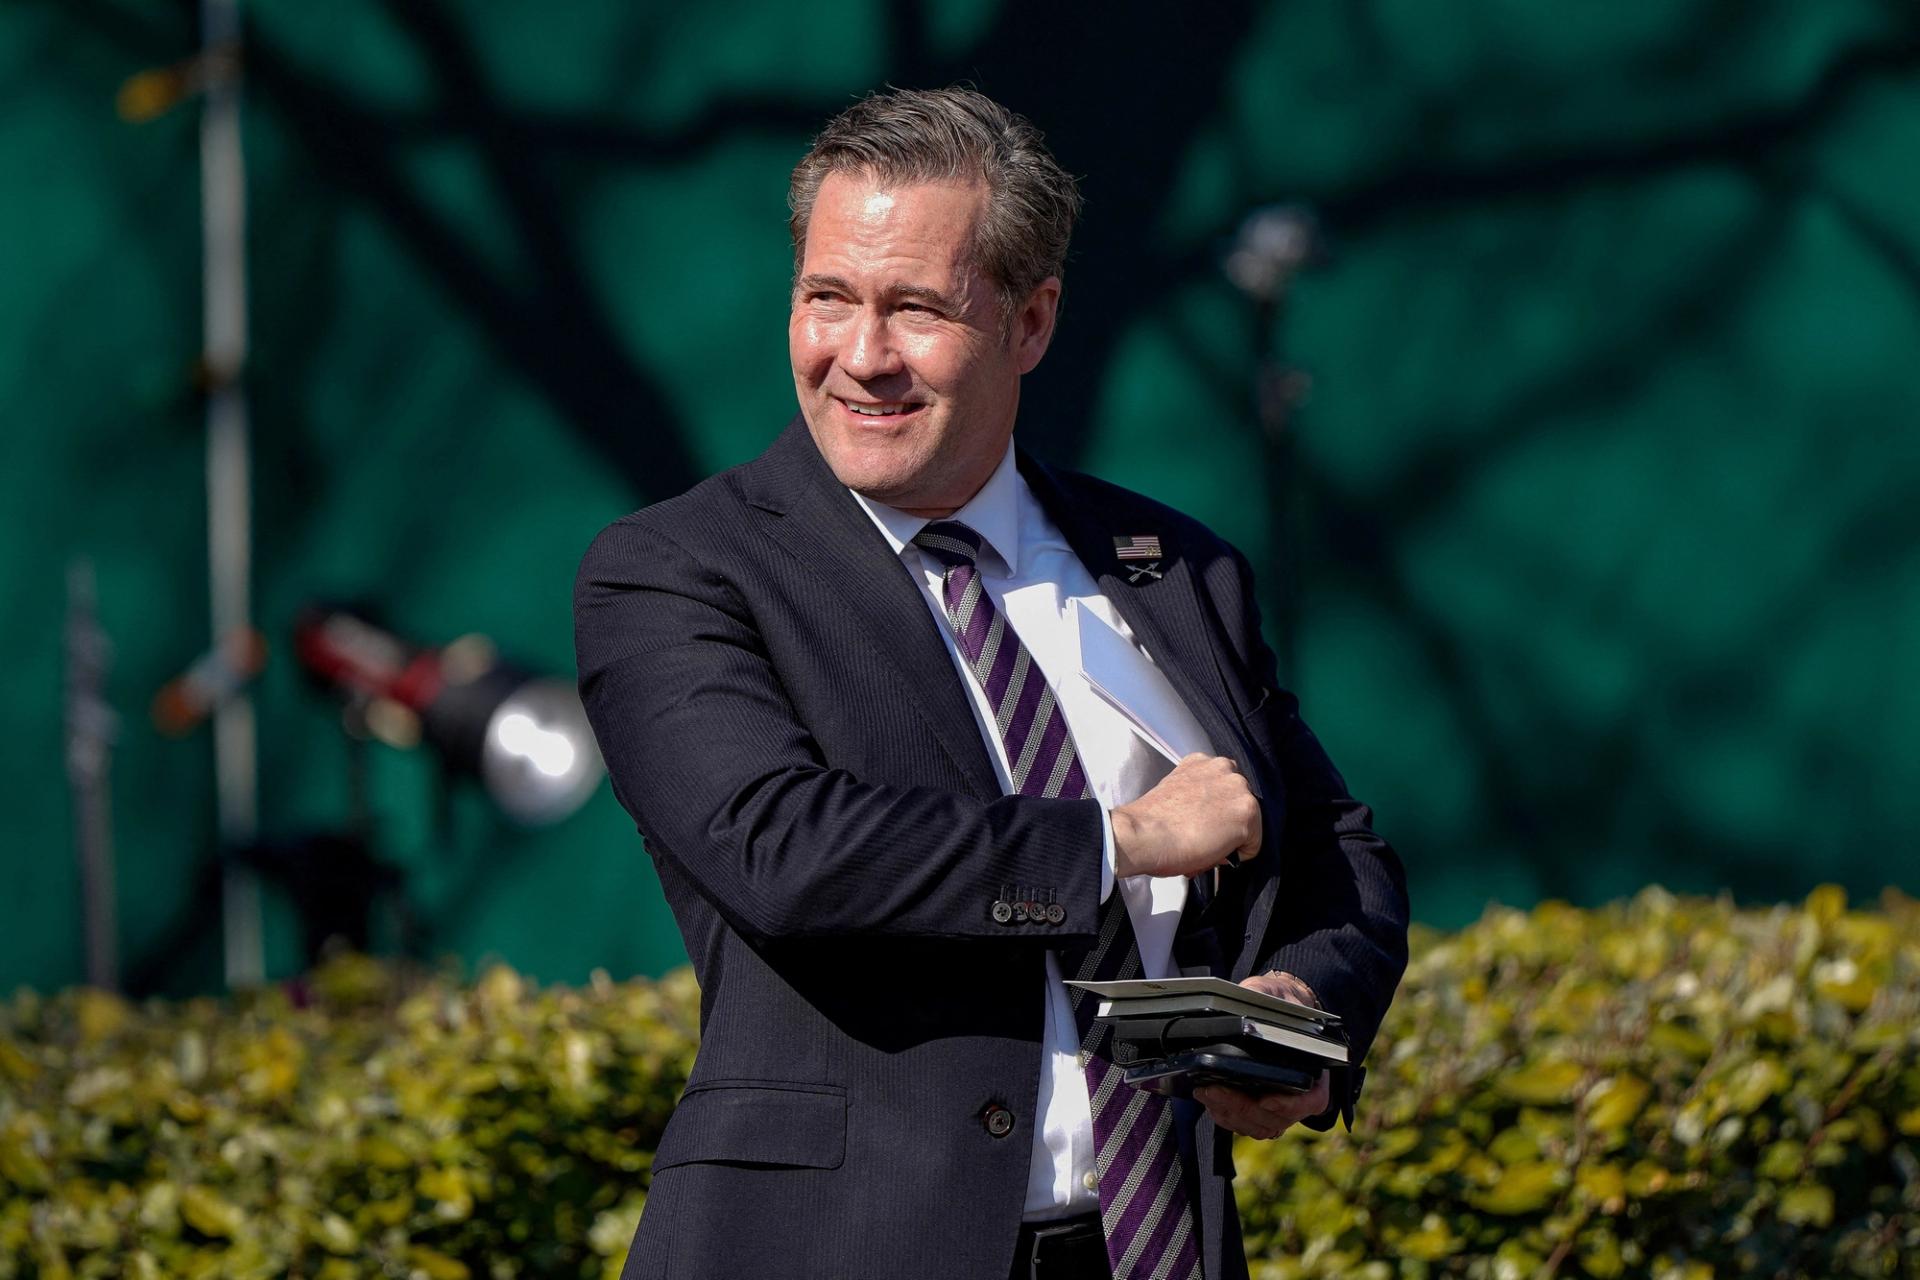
(810, 515)
(1164, 611)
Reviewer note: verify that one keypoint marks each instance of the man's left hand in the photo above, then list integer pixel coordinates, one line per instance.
(1271, 1115)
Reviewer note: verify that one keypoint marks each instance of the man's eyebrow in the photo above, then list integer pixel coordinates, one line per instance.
(820, 283)
(924, 293)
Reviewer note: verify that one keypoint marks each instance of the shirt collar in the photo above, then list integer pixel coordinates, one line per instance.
(993, 513)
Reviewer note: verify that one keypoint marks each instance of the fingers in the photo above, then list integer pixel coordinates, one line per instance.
(1298, 1106)
(1250, 847)
(1189, 822)
(1285, 985)
(1264, 1117)
(1236, 805)
(1247, 810)
(1238, 1113)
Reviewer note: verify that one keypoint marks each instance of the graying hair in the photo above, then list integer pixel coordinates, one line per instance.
(953, 135)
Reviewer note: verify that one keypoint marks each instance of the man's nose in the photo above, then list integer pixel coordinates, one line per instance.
(869, 350)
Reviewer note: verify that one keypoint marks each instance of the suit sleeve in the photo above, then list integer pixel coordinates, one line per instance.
(706, 753)
(1339, 920)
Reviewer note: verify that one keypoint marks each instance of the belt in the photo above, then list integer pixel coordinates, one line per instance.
(1064, 1249)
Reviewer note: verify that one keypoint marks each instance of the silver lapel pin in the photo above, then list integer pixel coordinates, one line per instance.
(1141, 546)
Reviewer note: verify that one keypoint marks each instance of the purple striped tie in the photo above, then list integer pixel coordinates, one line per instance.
(1144, 1203)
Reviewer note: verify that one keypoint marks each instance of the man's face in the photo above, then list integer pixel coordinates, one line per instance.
(906, 375)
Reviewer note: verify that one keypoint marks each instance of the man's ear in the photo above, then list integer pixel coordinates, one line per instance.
(1032, 327)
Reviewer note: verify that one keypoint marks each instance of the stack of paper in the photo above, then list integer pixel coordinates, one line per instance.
(1215, 1003)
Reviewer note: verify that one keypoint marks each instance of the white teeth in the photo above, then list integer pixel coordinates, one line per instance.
(875, 410)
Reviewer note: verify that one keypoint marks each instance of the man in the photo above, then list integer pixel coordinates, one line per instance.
(844, 690)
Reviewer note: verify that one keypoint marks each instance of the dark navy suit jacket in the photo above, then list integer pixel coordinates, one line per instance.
(784, 723)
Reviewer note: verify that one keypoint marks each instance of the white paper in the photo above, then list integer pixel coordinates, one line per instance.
(1140, 988)
(1112, 667)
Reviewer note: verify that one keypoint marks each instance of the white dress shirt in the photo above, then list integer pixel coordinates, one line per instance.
(1037, 582)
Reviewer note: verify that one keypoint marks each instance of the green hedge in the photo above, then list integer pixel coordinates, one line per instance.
(342, 1129)
(1667, 1088)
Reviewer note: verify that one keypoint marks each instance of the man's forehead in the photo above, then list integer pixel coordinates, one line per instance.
(862, 214)
(877, 197)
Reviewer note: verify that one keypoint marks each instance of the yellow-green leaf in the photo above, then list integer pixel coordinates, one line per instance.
(1672, 1037)
(1646, 1178)
(1524, 1188)
(438, 1266)
(1542, 1084)
(1433, 1241)
(1808, 1206)
(210, 1213)
(21, 1165)
(17, 1065)
(1604, 1184)
(1754, 1084)
(335, 1234)
(383, 1153)
(1783, 1160)
(1600, 1255)
(1614, 1103)
(449, 1190)
(100, 1014)
(1827, 903)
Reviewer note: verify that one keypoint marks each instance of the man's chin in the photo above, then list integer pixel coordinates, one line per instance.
(877, 473)
(887, 490)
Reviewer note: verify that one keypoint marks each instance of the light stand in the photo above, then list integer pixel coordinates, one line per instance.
(91, 729)
(214, 75)
(522, 736)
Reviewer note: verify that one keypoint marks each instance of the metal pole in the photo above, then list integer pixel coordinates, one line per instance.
(90, 732)
(229, 500)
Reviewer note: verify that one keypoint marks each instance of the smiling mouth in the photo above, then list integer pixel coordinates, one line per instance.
(897, 409)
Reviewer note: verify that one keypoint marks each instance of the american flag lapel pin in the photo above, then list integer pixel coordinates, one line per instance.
(1140, 554)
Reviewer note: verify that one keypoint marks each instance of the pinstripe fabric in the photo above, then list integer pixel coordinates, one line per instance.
(1145, 1207)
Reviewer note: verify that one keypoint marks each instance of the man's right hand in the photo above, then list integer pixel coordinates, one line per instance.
(1192, 820)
